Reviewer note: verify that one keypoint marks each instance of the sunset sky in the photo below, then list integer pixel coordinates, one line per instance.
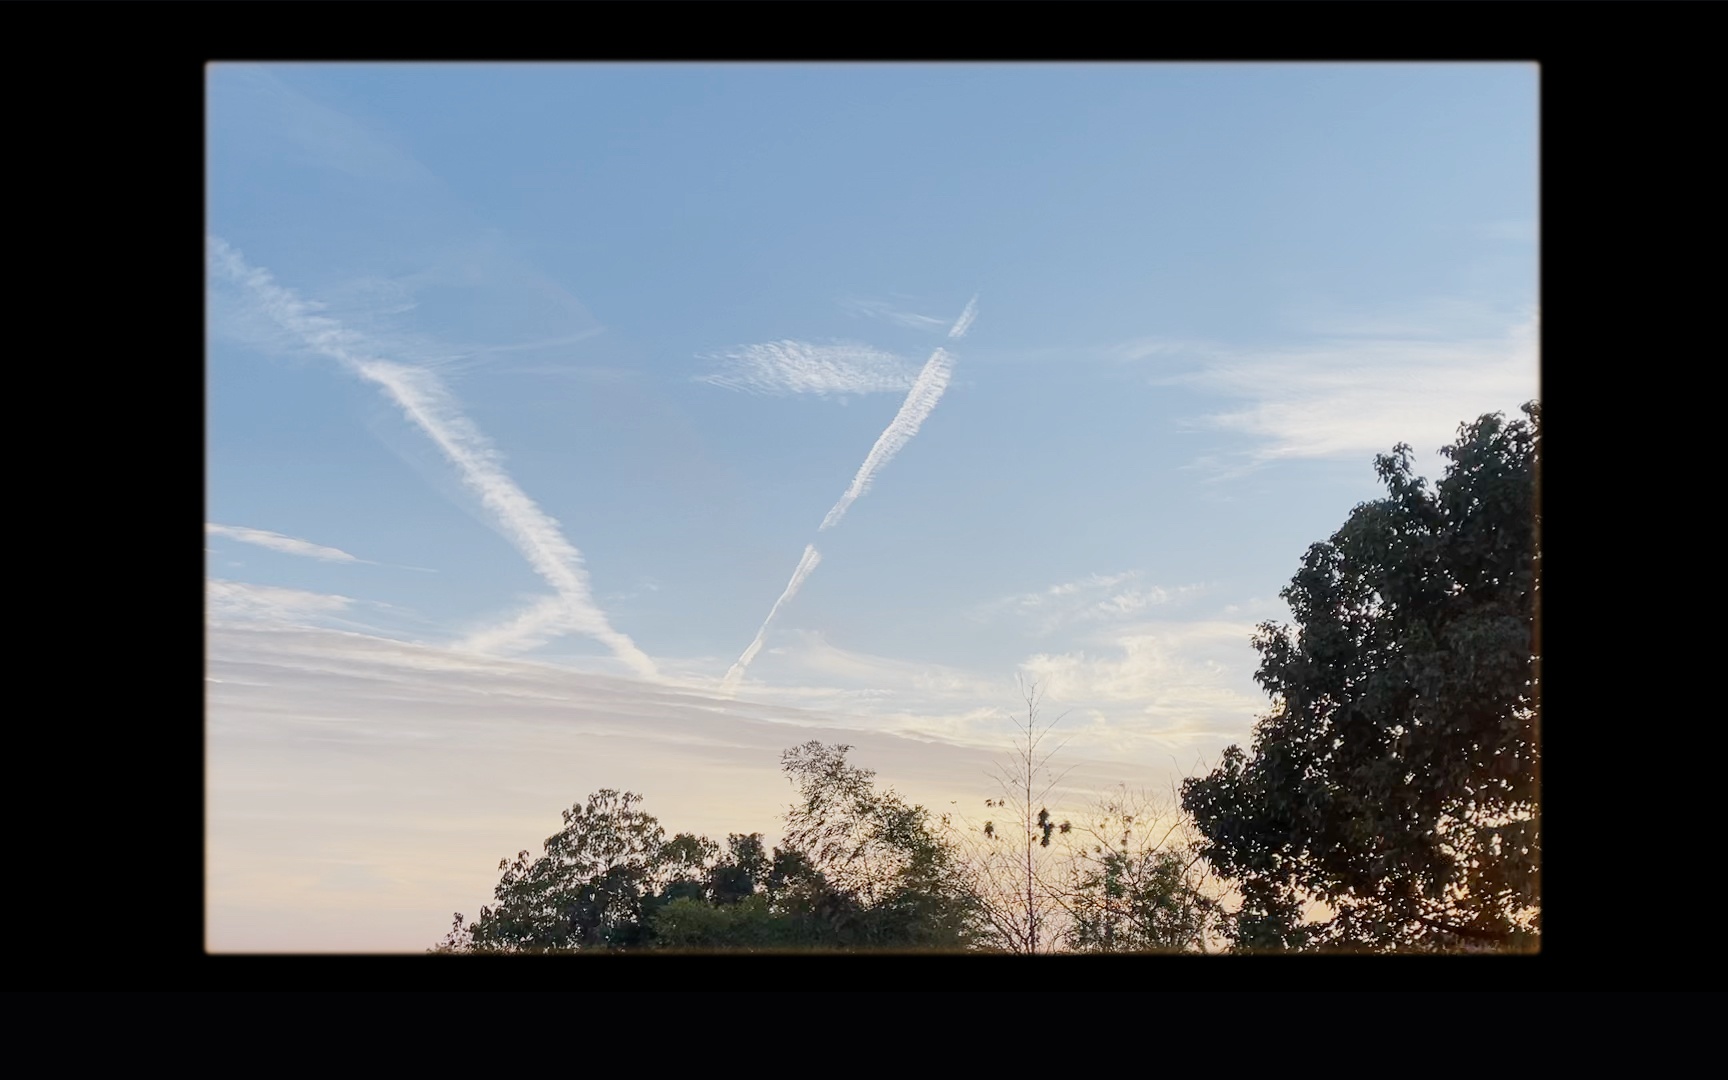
(534, 390)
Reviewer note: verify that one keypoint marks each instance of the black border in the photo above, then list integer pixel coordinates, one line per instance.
(1617, 82)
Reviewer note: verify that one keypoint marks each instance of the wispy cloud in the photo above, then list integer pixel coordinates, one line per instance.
(1065, 596)
(447, 760)
(806, 564)
(779, 368)
(239, 601)
(275, 541)
(1132, 693)
(421, 235)
(878, 309)
(547, 343)
(540, 622)
(422, 396)
(812, 653)
(1096, 598)
(1360, 389)
(1191, 678)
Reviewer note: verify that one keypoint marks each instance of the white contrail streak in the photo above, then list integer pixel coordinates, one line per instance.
(920, 400)
(964, 322)
(423, 397)
(805, 565)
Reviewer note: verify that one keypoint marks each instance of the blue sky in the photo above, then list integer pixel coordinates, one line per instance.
(530, 387)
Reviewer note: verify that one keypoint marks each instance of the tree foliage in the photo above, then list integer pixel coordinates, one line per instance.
(602, 875)
(893, 879)
(1395, 778)
(1136, 881)
(860, 868)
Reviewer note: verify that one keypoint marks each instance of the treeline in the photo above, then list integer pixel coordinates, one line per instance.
(859, 868)
(1388, 802)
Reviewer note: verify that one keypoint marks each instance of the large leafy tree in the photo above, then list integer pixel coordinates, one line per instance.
(594, 888)
(1396, 776)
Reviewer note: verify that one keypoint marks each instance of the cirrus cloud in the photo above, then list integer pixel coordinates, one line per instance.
(779, 368)
(276, 541)
(1361, 386)
(241, 602)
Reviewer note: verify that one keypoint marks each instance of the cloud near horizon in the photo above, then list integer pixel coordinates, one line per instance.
(243, 602)
(331, 752)
(1192, 678)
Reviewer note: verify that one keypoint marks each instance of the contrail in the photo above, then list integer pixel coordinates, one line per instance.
(428, 403)
(805, 565)
(964, 322)
(920, 400)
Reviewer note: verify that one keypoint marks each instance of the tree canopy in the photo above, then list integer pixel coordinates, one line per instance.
(1135, 880)
(1396, 777)
(860, 868)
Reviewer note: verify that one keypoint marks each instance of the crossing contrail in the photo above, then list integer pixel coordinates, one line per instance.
(920, 401)
(424, 398)
(541, 621)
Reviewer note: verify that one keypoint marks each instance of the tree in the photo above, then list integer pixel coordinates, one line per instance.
(860, 869)
(1136, 881)
(750, 901)
(1008, 859)
(880, 873)
(600, 877)
(1396, 776)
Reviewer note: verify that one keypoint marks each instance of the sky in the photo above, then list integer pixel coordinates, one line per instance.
(587, 426)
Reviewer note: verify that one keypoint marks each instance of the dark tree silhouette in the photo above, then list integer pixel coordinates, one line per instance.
(860, 869)
(1396, 777)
